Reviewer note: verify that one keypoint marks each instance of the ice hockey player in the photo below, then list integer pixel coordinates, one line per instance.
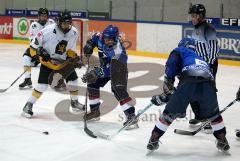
(113, 66)
(55, 45)
(196, 83)
(28, 60)
(207, 47)
(238, 99)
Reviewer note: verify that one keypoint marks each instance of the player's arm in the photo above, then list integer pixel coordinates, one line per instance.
(173, 68)
(33, 31)
(211, 38)
(72, 51)
(72, 56)
(36, 43)
(90, 45)
(36, 49)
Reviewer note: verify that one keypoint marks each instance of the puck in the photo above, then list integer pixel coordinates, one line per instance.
(45, 132)
(238, 134)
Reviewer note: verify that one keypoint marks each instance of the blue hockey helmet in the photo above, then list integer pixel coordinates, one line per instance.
(111, 32)
(188, 43)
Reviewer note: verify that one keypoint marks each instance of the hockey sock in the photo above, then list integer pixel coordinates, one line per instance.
(35, 96)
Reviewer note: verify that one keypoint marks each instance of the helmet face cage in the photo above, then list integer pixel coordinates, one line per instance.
(188, 43)
(198, 9)
(111, 32)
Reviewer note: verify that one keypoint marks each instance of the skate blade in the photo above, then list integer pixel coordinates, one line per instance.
(103, 136)
(94, 119)
(25, 88)
(77, 111)
(195, 125)
(149, 152)
(208, 131)
(26, 115)
(225, 152)
(131, 127)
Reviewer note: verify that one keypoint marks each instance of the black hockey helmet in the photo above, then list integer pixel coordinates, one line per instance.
(64, 16)
(43, 11)
(198, 9)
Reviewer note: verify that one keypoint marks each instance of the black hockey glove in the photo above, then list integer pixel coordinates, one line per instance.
(88, 48)
(168, 86)
(93, 75)
(161, 99)
(43, 53)
(238, 95)
(76, 62)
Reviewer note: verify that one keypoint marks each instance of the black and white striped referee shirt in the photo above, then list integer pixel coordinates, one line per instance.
(207, 45)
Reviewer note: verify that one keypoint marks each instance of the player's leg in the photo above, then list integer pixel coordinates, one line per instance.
(119, 78)
(175, 108)
(41, 87)
(210, 109)
(94, 99)
(195, 107)
(72, 82)
(195, 121)
(27, 83)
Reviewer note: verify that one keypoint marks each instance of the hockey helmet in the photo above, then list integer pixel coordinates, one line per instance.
(198, 9)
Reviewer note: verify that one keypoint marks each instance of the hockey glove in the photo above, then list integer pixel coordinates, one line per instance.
(76, 62)
(88, 48)
(43, 53)
(93, 75)
(161, 99)
(168, 86)
(238, 95)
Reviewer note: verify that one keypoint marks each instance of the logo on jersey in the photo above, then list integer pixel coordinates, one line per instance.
(200, 62)
(61, 47)
(23, 26)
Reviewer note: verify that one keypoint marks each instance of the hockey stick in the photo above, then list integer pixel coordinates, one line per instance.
(4, 90)
(192, 133)
(109, 137)
(86, 129)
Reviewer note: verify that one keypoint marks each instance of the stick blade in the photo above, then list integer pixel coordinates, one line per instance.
(3, 90)
(89, 132)
(184, 132)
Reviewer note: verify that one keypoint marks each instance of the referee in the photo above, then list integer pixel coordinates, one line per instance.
(206, 47)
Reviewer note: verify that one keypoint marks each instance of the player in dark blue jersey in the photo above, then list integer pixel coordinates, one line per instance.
(113, 66)
(196, 83)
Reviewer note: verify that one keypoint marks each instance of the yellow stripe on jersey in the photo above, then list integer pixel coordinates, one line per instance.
(36, 94)
(50, 65)
(73, 93)
(71, 53)
(33, 51)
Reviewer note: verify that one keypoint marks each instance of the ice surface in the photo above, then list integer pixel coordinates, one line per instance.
(22, 139)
